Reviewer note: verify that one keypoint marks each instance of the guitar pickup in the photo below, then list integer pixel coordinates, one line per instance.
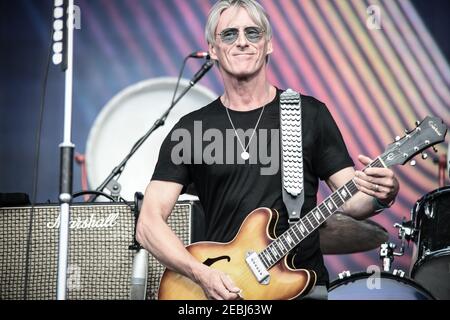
(260, 272)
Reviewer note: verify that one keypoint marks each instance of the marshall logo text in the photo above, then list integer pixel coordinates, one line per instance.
(91, 222)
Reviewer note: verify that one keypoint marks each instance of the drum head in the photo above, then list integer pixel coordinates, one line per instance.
(384, 286)
(128, 117)
(433, 273)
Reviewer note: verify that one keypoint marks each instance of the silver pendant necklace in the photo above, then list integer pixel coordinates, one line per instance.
(245, 155)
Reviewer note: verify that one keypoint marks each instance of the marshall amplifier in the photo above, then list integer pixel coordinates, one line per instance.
(100, 259)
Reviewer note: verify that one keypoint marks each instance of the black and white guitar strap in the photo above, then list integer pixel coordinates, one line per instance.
(292, 153)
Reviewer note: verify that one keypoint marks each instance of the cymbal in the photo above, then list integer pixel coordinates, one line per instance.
(342, 234)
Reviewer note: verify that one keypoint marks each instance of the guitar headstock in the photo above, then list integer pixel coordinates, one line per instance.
(429, 132)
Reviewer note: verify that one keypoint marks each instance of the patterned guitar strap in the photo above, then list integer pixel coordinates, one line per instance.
(292, 154)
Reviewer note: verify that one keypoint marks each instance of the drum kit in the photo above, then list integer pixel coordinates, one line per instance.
(120, 122)
(429, 275)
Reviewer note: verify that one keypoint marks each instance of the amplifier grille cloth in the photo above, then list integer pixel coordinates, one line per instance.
(100, 262)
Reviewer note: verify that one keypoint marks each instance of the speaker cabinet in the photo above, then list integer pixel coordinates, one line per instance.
(100, 260)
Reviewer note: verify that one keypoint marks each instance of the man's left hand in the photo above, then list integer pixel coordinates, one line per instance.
(380, 183)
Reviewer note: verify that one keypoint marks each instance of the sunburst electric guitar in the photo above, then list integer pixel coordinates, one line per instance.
(258, 262)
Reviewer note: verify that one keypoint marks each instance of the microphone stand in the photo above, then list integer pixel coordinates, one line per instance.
(159, 123)
(140, 260)
(66, 161)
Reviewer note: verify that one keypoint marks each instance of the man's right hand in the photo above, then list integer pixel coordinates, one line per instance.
(217, 285)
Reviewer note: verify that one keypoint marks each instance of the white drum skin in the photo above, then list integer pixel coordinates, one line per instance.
(125, 119)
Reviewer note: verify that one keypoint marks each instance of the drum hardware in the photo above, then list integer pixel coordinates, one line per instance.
(344, 274)
(405, 233)
(429, 211)
(379, 285)
(387, 255)
(406, 230)
(399, 273)
(387, 250)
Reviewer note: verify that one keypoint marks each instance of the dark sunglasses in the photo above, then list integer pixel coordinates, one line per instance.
(230, 35)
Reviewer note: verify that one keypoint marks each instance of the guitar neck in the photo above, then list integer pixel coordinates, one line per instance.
(311, 221)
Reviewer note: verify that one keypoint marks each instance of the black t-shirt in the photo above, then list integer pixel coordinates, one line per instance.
(202, 149)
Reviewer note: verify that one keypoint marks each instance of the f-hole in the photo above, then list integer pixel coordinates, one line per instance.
(210, 261)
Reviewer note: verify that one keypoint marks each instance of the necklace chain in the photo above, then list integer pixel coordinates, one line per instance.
(245, 154)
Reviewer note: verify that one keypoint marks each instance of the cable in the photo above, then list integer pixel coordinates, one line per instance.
(174, 93)
(98, 193)
(36, 171)
(179, 79)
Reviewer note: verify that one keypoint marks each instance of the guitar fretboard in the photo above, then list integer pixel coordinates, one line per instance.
(310, 222)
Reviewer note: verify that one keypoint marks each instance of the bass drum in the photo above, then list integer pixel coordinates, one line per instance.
(381, 286)
(431, 257)
(125, 119)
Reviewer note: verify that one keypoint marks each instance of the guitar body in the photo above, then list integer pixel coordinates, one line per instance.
(257, 231)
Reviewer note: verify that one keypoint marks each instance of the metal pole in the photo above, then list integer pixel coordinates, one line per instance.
(67, 150)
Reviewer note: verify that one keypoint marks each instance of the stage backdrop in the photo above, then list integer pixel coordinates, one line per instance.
(377, 76)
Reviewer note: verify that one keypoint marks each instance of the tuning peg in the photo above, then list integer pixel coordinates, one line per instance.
(397, 138)
(413, 163)
(424, 156)
(417, 123)
(435, 150)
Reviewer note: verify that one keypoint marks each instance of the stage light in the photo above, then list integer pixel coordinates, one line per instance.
(58, 34)
(57, 47)
(57, 59)
(58, 13)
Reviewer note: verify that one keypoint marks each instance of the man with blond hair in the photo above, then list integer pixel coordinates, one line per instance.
(239, 36)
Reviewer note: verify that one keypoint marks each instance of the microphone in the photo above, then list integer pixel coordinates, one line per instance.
(205, 68)
(199, 55)
(139, 276)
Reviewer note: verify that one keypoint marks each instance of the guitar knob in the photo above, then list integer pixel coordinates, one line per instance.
(413, 163)
(424, 156)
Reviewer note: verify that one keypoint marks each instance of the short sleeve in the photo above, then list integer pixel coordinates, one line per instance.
(168, 167)
(332, 154)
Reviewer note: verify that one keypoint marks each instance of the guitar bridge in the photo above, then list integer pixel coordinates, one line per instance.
(257, 267)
